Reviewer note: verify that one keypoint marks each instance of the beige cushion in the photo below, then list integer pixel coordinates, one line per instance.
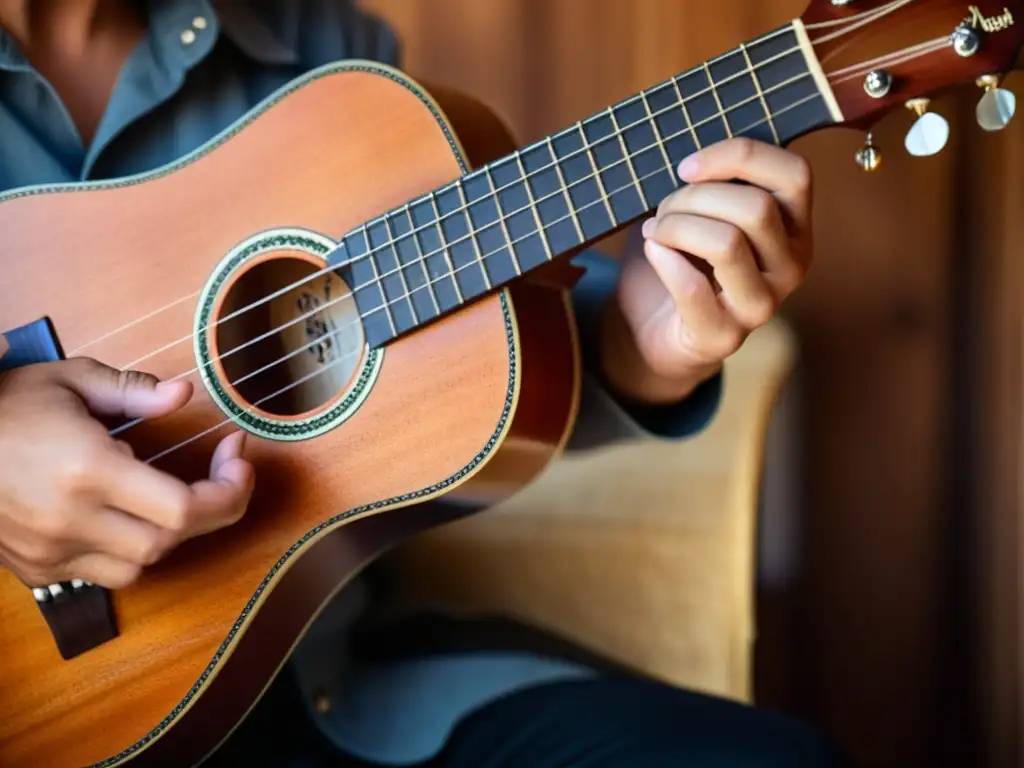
(644, 553)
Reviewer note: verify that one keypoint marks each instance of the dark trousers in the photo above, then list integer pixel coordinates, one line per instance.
(607, 722)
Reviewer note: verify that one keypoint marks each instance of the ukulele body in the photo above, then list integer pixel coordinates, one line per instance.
(469, 408)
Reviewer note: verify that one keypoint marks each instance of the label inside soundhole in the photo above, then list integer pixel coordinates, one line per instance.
(284, 344)
(295, 352)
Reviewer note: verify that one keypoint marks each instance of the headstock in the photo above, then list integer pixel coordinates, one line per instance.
(878, 55)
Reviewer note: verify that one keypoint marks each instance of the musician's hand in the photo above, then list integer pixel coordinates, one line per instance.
(668, 327)
(74, 502)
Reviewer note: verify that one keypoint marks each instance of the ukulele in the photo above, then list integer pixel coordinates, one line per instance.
(371, 280)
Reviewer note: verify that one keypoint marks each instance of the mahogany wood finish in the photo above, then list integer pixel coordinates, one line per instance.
(491, 389)
(439, 400)
(914, 24)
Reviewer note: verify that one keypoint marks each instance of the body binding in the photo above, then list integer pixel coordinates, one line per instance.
(465, 410)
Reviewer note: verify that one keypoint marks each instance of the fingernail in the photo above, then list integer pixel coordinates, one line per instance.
(648, 227)
(689, 167)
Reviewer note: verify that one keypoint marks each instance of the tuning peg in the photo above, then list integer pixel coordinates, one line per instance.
(927, 136)
(869, 157)
(997, 106)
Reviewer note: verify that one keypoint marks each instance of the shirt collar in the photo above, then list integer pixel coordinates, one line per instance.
(242, 23)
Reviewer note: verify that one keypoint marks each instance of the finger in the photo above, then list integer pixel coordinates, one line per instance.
(705, 326)
(141, 490)
(102, 570)
(122, 536)
(785, 174)
(3, 345)
(756, 213)
(222, 500)
(744, 290)
(136, 395)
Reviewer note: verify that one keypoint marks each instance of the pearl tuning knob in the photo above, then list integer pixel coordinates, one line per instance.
(929, 134)
(997, 105)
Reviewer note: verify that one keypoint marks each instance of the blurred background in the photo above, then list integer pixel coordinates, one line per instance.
(887, 592)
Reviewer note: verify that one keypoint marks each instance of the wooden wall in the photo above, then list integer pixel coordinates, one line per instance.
(873, 650)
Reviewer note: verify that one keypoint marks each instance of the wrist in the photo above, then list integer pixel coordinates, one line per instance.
(627, 372)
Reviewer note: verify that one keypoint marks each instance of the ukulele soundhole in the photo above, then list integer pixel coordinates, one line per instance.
(285, 350)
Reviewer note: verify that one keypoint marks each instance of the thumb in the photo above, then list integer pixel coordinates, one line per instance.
(136, 395)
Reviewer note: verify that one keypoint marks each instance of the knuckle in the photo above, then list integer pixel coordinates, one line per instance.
(791, 279)
(763, 211)
(726, 343)
(124, 577)
(39, 576)
(179, 516)
(743, 149)
(44, 555)
(732, 246)
(79, 469)
(666, 204)
(150, 550)
(803, 174)
(53, 525)
(132, 379)
(760, 310)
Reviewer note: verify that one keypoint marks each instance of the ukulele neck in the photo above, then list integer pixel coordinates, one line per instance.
(476, 234)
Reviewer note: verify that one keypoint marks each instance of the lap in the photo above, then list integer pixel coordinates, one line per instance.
(601, 722)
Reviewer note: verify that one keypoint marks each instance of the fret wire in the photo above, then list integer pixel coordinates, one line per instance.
(714, 92)
(501, 220)
(444, 246)
(422, 260)
(760, 93)
(720, 58)
(691, 129)
(572, 212)
(387, 305)
(629, 162)
(533, 206)
(473, 232)
(648, 175)
(565, 190)
(658, 138)
(795, 51)
(378, 279)
(597, 175)
(401, 268)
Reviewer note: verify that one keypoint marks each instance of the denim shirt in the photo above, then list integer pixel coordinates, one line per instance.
(202, 66)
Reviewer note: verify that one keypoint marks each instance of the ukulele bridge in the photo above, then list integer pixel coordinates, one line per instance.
(80, 615)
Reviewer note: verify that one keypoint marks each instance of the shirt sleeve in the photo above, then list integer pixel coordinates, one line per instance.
(605, 419)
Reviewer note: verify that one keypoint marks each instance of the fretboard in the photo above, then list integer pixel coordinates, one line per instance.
(478, 233)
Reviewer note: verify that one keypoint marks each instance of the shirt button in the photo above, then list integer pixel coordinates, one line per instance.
(188, 37)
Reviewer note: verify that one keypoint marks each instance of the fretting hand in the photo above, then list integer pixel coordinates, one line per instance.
(74, 502)
(668, 327)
